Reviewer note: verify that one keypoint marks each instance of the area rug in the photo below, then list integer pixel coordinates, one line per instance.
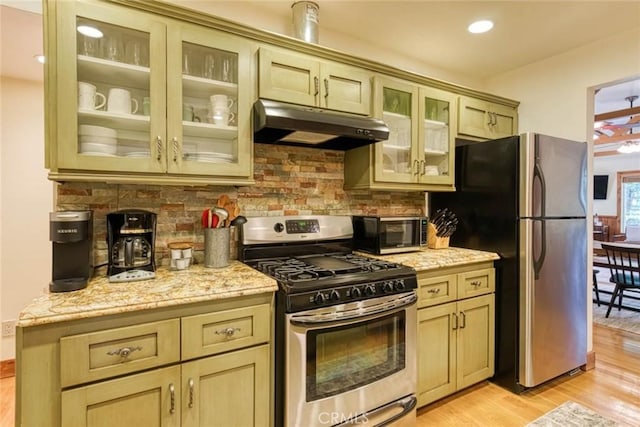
(627, 320)
(572, 414)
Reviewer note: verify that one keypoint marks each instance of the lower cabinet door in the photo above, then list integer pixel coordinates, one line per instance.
(476, 338)
(231, 389)
(148, 399)
(436, 352)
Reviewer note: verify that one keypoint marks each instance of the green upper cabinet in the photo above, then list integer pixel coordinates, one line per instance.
(306, 80)
(136, 103)
(418, 155)
(486, 120)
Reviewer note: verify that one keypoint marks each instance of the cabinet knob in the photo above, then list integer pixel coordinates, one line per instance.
(124, 352)
(227, 331)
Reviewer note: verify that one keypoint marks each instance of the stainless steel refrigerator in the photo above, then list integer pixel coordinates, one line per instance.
(524, 197)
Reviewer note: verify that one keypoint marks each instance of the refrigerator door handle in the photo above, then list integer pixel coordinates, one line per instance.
(539, 261)
(538, 175)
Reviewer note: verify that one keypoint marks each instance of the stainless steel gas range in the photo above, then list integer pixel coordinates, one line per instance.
(345, 324)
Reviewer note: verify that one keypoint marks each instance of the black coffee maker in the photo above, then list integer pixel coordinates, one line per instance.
(72, 262)
(131, 238)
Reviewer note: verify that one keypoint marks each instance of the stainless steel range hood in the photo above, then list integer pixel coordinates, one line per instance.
(288, 124)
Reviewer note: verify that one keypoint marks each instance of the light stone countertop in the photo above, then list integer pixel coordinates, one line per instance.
(430, 259)
(197, 284)
(169, 288)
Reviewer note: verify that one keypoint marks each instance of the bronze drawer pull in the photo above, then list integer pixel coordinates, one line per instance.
(159, 147)
(227, 331)
(463, 316)
(124, 352)
(434, 291)
(172, 392)
(476, 283)
(191, 392)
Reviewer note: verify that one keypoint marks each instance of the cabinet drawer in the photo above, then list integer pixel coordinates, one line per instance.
(436, 290)
(105, 354)
(478, 282)
(222, 331)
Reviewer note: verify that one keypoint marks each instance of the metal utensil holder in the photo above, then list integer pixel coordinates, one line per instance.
(216, 247)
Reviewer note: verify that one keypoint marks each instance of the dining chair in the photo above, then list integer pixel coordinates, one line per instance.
(595, 286)
(624, 265)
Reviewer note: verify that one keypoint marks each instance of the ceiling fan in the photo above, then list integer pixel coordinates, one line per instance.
(616, 127)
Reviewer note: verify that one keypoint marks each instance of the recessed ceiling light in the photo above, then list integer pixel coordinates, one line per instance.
(39, 58)
(90, 31)
(480, 27)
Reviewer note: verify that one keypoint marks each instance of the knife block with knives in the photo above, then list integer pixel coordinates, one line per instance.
(441, 227)
(435, 242)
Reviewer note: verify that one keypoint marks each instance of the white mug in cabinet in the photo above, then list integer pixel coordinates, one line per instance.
(120, 101)
(88, 95)
(221, 101)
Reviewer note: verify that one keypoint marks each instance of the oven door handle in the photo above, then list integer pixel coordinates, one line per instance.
(407, 404)
(360, 313)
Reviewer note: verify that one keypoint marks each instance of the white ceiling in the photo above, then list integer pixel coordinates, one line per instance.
(434, 32)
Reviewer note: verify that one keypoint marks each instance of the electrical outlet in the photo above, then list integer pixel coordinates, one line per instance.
(8, 328)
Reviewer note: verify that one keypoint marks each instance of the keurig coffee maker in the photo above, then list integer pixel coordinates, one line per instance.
(71, 233)
(131, 237)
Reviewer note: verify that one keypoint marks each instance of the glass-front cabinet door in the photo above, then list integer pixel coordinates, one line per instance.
(436, 141)
(397, 105)
(209, 103)
(139, 94)
(109, 90)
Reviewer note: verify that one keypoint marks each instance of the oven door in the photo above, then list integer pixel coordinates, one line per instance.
(351, 362)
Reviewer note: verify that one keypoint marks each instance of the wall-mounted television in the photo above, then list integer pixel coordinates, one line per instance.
(600, 184)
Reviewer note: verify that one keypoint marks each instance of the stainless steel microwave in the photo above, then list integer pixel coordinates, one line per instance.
(388, 234)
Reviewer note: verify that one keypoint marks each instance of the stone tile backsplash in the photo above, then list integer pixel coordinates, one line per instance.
(289, 181)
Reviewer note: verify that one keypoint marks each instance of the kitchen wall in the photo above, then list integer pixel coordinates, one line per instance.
(26, 197)
(557, 97)
(289, 181)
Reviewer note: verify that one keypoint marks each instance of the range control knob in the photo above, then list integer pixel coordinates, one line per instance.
(370, 290)
(356, 292)
(319, 298)
(387, 287)
(399, 285)
(334, 295)
(279, 227)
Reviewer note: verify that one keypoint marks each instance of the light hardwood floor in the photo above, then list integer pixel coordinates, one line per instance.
(612, 389)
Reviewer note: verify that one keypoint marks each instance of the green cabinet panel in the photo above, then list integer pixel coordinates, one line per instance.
(227, 390)
(305, 80)
(146, 399)
(487, 120)
(455, 339)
